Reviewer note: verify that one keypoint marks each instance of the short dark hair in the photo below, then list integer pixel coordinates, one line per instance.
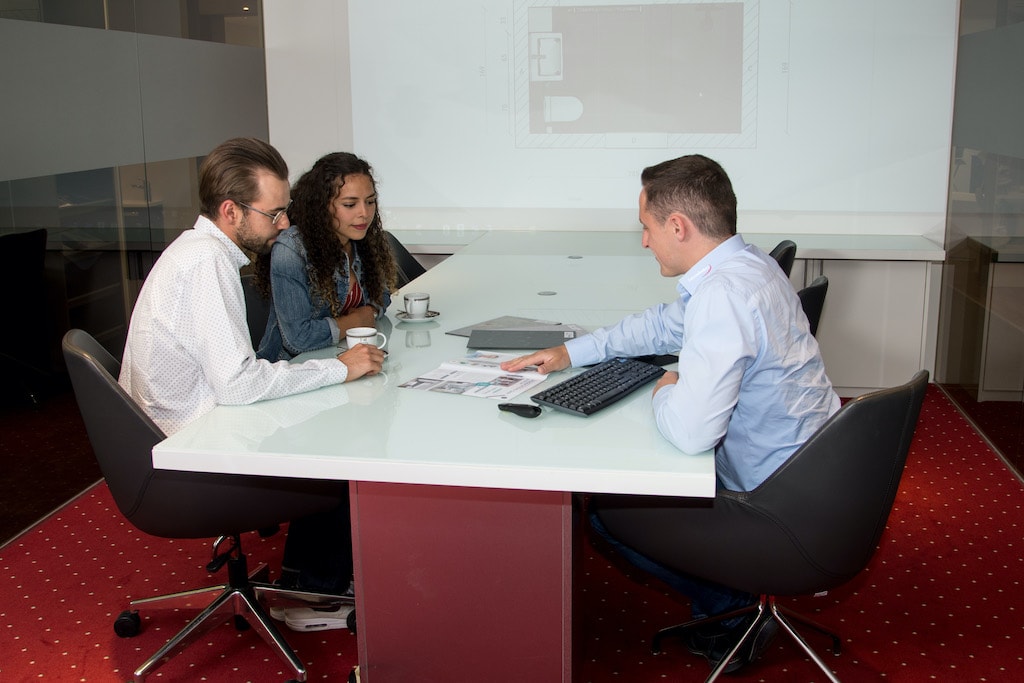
(229, 172)
(696, 186)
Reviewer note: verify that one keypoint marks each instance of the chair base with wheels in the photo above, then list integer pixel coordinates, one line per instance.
(190, 505)
(766, 609)
(245, 598)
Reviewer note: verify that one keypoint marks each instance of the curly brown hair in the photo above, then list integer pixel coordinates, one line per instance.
(311, 215)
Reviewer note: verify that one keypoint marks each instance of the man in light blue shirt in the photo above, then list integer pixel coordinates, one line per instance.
(751, 383)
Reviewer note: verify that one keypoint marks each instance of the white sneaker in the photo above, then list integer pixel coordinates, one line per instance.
(317, 618)
(280, 612)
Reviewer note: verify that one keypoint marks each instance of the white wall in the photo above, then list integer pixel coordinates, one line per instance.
(847, 107)
(308, 79)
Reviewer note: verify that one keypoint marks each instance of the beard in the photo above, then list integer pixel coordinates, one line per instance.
(250, 240)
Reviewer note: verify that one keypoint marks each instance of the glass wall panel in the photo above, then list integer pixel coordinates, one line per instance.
(102, 150)
(232, 22)
(981, 340)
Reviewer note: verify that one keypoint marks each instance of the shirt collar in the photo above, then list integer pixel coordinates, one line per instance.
(692, 278)
(207, 227)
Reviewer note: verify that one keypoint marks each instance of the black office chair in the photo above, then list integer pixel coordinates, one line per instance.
(811, 526)
(173, 504)
(785, 254)
(257, 309)
(812, 299)
(408, 267)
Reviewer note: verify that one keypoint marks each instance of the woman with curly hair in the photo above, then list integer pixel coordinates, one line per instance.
(332, 269)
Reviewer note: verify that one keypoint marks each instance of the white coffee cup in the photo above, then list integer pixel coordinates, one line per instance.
(416, 304)
(364, 335)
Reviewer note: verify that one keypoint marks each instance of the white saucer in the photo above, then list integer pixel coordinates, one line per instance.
(404, 317)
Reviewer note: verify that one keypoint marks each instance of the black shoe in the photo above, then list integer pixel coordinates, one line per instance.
(762, 639)
(714, 643)
(722, 644)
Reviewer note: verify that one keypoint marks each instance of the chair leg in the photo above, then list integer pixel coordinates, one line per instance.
(214, 615)
(681, 629)
(837, 647)
(788, 628)
(240, 597)
(766, 608)
(247, 605)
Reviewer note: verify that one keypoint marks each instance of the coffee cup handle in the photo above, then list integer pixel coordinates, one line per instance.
(383, 340)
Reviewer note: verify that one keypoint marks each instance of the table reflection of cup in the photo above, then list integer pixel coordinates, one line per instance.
(416, 339)
(416, 304)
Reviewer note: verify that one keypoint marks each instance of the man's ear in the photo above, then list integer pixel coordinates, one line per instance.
(229, 211)
(681, 225)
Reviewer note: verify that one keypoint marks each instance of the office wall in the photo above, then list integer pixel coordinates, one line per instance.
(831, 116)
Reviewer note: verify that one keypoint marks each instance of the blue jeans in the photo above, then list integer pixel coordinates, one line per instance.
(706, 599)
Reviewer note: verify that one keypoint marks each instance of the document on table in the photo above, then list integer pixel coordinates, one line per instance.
(478, 374)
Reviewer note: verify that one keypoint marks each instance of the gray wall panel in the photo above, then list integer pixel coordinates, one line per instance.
(197, 94)
(71, 99)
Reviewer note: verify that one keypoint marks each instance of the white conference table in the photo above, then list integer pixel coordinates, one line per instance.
(463, 523)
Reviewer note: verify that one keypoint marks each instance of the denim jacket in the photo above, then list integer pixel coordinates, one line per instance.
(297, 322)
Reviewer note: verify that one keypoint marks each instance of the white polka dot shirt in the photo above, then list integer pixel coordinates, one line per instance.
(188, 346)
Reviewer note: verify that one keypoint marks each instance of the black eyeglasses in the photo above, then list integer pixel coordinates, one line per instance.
(274, 217)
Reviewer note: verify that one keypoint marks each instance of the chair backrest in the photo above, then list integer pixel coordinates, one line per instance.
(812, 299)
(785, 254)
(827, 505)
(168, 503)
(408, 267)
(121, 434)
(257, 309)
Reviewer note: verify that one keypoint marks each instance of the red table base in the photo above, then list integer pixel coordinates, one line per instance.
(463, 584)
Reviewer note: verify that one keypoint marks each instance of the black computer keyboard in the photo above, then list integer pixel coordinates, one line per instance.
(599, 386)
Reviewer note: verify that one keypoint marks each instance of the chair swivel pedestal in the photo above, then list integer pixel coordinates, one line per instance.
(767, 608)
(242, 598)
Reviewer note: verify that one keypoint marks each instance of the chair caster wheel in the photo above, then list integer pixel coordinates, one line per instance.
(350, 621)
(128, 624)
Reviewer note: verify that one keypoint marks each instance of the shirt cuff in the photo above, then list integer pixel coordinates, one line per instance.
(582, 351)
(335, 330)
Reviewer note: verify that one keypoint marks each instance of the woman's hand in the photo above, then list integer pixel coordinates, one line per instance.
(364, 316)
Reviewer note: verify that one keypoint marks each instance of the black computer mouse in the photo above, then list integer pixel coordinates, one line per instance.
(520, 409)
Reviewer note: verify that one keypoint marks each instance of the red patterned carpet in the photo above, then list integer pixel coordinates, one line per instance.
(941, 601)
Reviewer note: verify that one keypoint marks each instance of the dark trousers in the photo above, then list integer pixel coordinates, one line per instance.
(319, 550)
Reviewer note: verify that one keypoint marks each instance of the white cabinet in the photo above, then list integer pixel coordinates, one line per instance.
(879, 321)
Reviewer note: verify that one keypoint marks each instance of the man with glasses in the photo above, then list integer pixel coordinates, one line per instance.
(188, 346)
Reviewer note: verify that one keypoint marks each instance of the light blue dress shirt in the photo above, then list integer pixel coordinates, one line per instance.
(752, 383)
